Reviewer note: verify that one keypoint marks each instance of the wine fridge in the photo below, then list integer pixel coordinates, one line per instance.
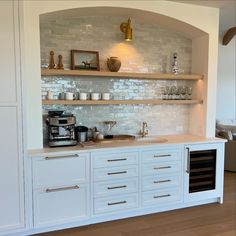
(204, 165)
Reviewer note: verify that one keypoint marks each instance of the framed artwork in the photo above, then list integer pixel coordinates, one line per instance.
(84, 60)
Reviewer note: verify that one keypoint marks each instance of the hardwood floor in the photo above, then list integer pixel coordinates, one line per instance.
(207, 220)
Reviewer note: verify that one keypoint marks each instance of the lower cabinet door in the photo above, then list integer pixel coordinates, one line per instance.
(161, 197)
(114, 204)
(61, 205)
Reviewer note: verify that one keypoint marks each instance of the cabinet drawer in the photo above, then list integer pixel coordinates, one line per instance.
(161, 181)
(115, 187)
(161, 155)
(167, 196)
(59, 170)
(115, 159)
(60, 205)
(161, 168)
(113, 204)
(115, 173)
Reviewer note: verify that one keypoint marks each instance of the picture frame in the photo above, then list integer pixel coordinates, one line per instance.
(84, 60)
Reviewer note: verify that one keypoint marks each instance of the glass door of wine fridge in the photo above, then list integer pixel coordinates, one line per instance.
(203, 171)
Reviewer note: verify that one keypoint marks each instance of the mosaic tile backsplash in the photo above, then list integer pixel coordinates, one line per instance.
(151, 50)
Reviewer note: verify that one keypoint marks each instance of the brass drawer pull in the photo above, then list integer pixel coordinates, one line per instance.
(122, 186)
(61, 157)
(120, 159)
(162, 181)
(161, 196)
(116, 203)
(163, 155)
(50, 190)
(117, 173)
(162, 167)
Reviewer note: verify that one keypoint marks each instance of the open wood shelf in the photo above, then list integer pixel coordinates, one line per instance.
(119, 102)
(125, 75)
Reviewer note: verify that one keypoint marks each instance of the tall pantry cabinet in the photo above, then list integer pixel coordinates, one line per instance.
(12, 218)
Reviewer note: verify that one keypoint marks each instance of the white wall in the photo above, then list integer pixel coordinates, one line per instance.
(226, 86)
(203, 18)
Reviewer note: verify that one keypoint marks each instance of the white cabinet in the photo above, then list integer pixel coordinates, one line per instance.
(12, 208)
(11, 172)
(123, 183)
(61, 189)
(115, 181)
(8, 47)
(161, 177)
(204, 172)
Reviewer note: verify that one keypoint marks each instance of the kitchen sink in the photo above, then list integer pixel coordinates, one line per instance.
(118, 138)
(127, 138)
(152, 140)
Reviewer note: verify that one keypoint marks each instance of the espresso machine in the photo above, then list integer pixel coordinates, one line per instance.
(61, 129)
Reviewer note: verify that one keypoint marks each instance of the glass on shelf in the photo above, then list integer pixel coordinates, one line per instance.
(189, 93)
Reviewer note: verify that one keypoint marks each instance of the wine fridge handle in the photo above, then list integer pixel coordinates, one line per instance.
(188, 160)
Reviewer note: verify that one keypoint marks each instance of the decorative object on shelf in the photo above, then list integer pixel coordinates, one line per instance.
(113, 64)
(60, 65)
(126, 28)
(84, 60)
(49, 95)
(52, 63)
(175, 68)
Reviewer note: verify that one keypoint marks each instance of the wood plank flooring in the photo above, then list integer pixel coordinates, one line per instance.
(207, 220)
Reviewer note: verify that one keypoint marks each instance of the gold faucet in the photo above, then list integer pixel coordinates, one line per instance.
(144, 132)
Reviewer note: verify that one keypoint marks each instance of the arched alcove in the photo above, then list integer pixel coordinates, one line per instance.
(180, 18)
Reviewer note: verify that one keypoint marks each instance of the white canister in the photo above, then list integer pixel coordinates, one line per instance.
(95, 96)
(105, 96)
(69, 96)
(83, 96)
(49, 95)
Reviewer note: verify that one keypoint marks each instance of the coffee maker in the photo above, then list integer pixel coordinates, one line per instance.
(61, 129)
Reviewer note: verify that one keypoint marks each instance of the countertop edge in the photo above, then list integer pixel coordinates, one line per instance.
(186, 139)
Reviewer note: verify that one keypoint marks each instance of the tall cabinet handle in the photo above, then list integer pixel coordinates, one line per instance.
(188, 160)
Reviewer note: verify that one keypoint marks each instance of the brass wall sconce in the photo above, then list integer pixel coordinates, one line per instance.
(126, 28)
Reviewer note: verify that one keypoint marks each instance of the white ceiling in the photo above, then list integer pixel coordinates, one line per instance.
(227, 11)
(212, 3)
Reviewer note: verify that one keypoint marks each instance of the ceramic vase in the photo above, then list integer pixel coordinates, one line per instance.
(113, 64)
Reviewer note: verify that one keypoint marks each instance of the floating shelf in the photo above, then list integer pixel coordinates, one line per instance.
(119, 102)
(148, 76)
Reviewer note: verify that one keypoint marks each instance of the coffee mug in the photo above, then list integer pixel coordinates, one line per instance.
(105, 96)
(95, 96)
(83, 96)
(69, 96)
